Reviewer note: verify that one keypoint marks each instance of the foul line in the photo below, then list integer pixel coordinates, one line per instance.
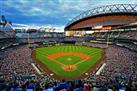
(82, 61)
(73, 64)
(34, 66)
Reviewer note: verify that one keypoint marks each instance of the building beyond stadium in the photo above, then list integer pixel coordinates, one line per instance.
(103, 19)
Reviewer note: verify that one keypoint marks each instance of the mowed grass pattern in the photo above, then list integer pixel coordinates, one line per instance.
(95, 54)
(69, 59)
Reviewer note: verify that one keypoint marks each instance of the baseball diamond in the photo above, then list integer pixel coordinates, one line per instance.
(68, 45)
(68, 61)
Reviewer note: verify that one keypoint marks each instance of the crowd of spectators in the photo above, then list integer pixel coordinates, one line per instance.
(120, 70)
(16, 61)
(132, 34)
(17, 73)
(33, 40)
(129, 34)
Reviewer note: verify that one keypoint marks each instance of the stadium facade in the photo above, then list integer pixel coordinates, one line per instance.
(114, 68)
(103, 19)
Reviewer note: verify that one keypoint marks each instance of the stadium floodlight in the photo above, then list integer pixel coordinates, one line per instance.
(97, 27)
(86, 73)
(51, 74)
(89, 32)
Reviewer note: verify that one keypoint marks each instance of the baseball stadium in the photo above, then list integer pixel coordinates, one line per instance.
(97, 51)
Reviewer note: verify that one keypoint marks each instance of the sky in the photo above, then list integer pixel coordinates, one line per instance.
(55, 13)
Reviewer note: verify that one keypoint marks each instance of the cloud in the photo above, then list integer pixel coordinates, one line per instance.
(59, 28)
(53, 12)
(135, 1)
(19, 25)
(49, 7)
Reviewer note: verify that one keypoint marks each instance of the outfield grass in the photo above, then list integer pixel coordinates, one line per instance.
(94, 53)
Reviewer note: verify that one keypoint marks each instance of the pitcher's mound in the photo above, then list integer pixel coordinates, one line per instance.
(69, 59)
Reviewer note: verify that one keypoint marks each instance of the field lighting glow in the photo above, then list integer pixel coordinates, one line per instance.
(97, 27)
(89, 32)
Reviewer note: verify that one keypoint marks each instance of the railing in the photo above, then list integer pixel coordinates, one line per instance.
(117, 8)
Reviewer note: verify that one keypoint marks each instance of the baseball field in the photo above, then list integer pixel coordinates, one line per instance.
(68, 61)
